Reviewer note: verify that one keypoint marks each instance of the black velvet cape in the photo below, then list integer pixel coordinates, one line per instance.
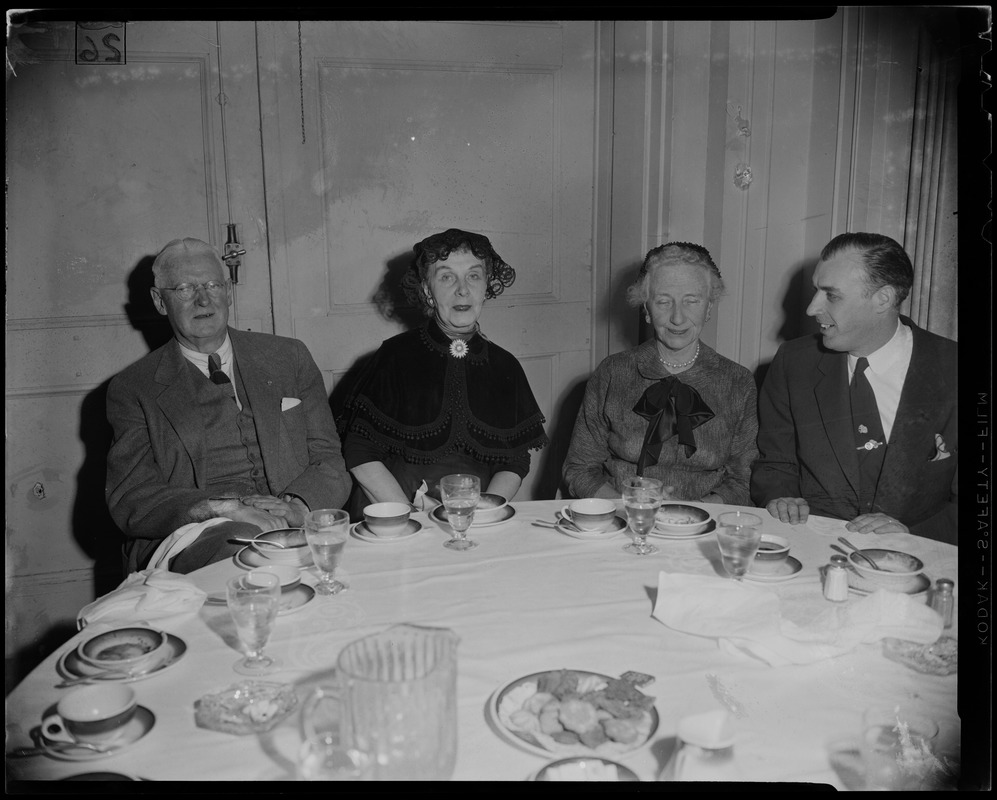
(417, 400)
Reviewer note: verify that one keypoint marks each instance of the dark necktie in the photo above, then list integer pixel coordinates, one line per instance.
(218, 376)
(870, 441)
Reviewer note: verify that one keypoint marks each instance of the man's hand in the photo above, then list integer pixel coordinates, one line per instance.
(236, 511)
(290, 509)
(793, 510)
(876, 523)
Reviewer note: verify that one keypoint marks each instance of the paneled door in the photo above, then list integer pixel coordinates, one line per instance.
(118, 140)
(378, 134)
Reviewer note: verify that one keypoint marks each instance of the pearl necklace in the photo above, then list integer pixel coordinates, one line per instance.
(688, 363)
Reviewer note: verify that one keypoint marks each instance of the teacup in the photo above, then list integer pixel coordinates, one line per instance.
(387, 519)
(96, 714)
(772, 553)
(590, 513)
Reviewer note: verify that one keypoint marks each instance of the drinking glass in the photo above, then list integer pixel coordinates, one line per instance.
(326, 532)
(641, 499)
(323, 757)
(253, 601)
(460, 495)
(738, 534)
(896, 749)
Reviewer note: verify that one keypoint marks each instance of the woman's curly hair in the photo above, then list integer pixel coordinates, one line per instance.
(684, 252)
(438, 247)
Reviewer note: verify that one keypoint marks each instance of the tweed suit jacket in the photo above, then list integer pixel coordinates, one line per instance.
(807, 449)
(157, 465)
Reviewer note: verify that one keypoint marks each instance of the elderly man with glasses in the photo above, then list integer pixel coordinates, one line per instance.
(219, 433)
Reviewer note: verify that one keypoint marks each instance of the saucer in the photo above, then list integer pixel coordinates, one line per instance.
(292, 600)
(569, 529)
(658, 534)
(137, 727)
(361, 531)
(789, 568)
(71, 666)
(505, 514)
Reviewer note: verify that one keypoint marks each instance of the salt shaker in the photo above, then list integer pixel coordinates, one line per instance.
(943, 601)
(704, 750)
(836, 580)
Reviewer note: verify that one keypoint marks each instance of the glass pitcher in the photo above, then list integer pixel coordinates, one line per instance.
(395, 698)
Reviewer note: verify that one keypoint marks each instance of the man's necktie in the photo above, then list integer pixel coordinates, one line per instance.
(218, 376)
(870, 441)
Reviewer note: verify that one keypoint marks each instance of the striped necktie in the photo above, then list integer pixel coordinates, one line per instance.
(218, 376)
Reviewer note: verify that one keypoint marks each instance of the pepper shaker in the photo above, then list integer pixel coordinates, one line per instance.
(836, 580)
(943, 601)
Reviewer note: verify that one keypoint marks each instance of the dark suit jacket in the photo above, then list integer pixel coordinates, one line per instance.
(156, 468)
(807, 449)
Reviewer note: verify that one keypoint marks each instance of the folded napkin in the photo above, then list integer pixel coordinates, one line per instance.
(748, 620)
(145, 595)
(422, 501)
(179, 540)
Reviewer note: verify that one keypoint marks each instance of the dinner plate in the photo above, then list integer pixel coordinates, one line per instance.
(362, 532)
(507, 512)
(137, 727)
(510, 697)
(859, 585)
(658, 534)
(570, 529)
(787, 570)
(71, 666)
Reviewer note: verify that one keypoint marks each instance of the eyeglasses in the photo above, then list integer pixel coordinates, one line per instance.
(187, 291)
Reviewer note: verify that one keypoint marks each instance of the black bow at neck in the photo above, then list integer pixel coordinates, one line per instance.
(670, 407)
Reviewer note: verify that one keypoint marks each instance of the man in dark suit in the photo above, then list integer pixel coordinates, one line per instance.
(861, 423)
(216, 423)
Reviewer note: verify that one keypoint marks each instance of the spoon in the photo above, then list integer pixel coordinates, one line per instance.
(859, 553)
(58, 747)
(255, 542)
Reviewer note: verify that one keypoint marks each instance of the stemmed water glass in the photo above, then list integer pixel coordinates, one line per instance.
(253, 600)
(326, 531)
(460, 494)
(641, 499)
(738, 534)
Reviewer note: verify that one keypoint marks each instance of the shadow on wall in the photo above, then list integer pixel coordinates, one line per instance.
(549, 463)
(795, 323)
(93, 527)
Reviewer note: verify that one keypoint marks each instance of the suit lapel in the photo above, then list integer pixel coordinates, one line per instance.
(175, 403)
(831, 397)
(256, 366)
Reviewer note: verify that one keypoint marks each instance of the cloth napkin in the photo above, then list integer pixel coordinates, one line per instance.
(747, 619)
(179, 540)
(422, 501)
(144, 595)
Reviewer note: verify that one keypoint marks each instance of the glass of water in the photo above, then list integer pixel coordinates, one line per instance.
(253, 600)
(460, 494)
(738, 534)
(641, 499)
(326, 532)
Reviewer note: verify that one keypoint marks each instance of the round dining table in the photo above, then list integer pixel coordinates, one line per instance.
(529, 598)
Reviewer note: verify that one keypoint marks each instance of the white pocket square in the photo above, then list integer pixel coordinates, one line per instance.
(941, 450)
(289, 402)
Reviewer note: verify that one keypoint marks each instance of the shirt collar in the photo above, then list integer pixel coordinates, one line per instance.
(200, 360)
(887, 355)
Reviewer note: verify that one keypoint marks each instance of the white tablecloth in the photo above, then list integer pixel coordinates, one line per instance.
(526, 599)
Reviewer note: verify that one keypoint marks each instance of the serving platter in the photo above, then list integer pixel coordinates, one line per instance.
(509, 699)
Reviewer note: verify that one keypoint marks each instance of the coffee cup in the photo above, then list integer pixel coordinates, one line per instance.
(771, 554)
(590, 513)
(96, 714)
(387, 519)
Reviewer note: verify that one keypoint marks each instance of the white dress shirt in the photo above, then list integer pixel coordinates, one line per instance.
(886, 373)
(200, 360)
